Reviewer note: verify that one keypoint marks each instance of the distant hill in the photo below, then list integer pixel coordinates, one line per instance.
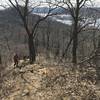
(46, 9)
(86, 11)
(10, 23)
(63, 16)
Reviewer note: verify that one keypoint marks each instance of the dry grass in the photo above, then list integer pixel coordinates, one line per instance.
(46, 81)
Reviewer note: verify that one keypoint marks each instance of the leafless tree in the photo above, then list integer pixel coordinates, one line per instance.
(74, 7)
(28, 6)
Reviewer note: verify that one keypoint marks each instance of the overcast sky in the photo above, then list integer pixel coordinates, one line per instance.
(95, 2)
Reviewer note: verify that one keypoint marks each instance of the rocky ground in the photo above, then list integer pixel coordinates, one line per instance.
(49, 81)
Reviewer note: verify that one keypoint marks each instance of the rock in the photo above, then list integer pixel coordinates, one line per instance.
(26, 92)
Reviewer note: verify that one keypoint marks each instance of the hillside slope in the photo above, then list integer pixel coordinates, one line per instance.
(47, 81)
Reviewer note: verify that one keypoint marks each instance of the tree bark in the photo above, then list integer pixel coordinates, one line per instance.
(32, 53)
(75, 34)
(97, 60)
(74, 49)
(75, 43)
(0, 60)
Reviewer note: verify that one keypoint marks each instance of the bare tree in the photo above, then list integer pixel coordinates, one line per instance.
(27, 8)
(74, 7)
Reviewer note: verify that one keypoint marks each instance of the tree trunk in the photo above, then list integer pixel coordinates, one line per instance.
(74, 51)
(97, 60)
(75, 32)
(75, 43)
(0, 60)
(32, 53)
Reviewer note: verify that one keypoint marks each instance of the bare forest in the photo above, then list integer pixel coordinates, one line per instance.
(49, 50)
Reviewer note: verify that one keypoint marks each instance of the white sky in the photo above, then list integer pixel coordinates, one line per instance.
(96, 3)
